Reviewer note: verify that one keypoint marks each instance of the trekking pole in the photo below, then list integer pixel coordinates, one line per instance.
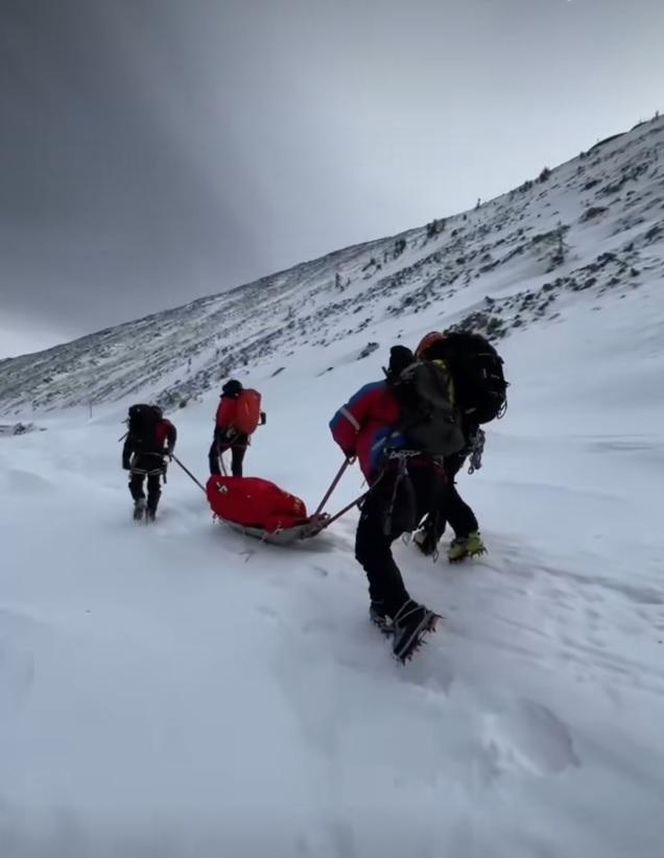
(334, 484)
(188, 473)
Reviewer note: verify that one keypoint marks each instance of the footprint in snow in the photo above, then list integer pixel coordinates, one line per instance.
(529, 738)
(27, 482)
(17, 661)
(321, 571)
(267, 611)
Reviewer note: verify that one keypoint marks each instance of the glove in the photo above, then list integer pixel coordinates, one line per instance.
(263, 418)
(126, 466)
(226, 436)
(476, 450)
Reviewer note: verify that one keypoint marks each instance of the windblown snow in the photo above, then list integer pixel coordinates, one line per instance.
(181, 690)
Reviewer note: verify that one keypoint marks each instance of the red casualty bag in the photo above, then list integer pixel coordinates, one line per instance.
(253, 502)
(242, 413)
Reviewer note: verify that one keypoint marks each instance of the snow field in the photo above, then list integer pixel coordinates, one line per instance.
(180, 690)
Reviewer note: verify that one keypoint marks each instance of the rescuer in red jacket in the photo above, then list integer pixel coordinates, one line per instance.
(228, 435)
(405, 484)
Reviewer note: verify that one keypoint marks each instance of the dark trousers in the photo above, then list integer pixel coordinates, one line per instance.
(238, 452)
(456, 511)
(373, 540)
(150, 467)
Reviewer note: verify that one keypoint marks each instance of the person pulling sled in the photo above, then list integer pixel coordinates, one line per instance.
(480, 395)
(399, 429)
(149, 442)
(238, 416)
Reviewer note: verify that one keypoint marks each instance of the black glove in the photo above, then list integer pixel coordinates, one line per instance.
(263, 418)
(126, 465)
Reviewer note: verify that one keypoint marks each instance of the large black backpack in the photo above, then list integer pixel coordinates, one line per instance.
(476, 367)
(429, 421)
(142, 423)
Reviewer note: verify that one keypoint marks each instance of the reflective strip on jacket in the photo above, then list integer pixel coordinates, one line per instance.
(366, 426)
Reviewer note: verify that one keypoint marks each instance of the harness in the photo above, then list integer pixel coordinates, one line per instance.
(150, 472)
(403, 458)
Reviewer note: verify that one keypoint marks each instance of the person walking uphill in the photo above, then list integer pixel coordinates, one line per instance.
(238, 415)
(150, 439)
(480, 394)
(399, 429)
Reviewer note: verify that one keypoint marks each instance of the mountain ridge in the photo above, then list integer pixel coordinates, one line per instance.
(593, 224)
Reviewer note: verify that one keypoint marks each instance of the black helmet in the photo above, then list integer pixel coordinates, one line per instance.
(400, 358)
(232, 388)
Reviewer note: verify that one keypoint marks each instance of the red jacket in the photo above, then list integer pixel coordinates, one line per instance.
(366, 426)
(166, 434)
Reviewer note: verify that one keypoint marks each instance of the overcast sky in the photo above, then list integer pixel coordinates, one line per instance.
(157, 150)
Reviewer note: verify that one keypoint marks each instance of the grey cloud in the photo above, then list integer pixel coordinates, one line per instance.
(155, 150)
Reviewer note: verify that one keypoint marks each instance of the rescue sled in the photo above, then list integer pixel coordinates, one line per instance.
(282, 536)
(262, 510)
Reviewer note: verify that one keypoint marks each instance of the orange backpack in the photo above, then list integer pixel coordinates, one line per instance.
(242, 413)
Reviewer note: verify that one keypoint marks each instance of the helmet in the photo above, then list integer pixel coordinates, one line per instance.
(427, 341)
(232, 388)
(400, 358)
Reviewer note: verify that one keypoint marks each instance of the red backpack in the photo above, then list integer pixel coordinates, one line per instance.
(242, 413)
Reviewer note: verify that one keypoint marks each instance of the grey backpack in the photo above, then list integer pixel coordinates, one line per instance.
(429, 420)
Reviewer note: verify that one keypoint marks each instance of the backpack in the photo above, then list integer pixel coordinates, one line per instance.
(480, 388)
(242, 412)
(429, 420)
(143, 422)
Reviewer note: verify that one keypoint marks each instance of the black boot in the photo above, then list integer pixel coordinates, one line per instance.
(139, 509)
(411, 623)
(428, 537)
(426, 540)
(154, 493)
(380, 618)
(151, 511)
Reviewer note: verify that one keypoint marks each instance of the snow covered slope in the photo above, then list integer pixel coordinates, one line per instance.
(595, 224)
(183, 692)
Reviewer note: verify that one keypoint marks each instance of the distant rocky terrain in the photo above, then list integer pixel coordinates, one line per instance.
(593, 225)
